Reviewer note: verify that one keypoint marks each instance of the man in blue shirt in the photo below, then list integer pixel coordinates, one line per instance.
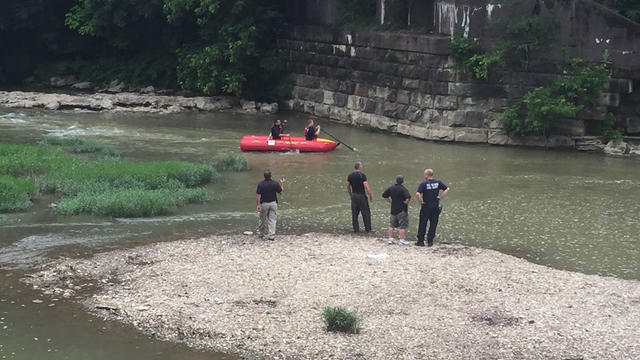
(429, 196)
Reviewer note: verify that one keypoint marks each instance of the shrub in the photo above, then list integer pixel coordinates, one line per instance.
(341, 319)
(609, 132)
(564, 98)
(231, 162)
(15, 193)
(130, 202)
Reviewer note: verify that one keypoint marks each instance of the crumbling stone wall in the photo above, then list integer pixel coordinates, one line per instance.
(405, 82)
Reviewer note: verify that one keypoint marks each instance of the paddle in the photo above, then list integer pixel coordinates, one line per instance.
(340, 141)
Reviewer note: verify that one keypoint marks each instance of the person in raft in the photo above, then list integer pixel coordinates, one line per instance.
(356, 186)
(276, 129)
(311, 132)
(429, 196)
(267, 204)
(398, 196)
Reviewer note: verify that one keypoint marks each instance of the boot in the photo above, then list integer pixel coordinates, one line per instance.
(420, 243)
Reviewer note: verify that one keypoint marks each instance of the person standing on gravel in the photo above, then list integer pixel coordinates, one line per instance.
(267, 204)
(429, 196)
(398, 196)
(356, 186)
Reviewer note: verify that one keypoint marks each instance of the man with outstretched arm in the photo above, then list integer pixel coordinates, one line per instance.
(267, 204)
(429, 196)
(356, 186)
(311, 132)
(398, 196)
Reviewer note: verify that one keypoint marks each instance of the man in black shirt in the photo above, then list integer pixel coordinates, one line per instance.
(267, 204)
(276, 130)
(398, 196)
(356, 186)
(429, 196)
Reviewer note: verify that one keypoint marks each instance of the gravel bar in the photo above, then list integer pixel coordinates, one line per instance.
(264, 299)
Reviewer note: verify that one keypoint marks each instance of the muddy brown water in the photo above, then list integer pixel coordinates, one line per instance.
(569, 210)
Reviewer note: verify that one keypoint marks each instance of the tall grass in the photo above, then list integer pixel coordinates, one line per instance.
(26, 160)
(107, 187)
(79, 145)
(130, 202)
(231, 162)
(15, 193)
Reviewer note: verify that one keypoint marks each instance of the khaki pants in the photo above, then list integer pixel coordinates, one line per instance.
(268, 217)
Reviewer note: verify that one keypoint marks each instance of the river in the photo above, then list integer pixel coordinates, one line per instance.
(568, 210)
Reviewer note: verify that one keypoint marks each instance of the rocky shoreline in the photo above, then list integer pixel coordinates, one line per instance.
(263, 299)
(130, 101)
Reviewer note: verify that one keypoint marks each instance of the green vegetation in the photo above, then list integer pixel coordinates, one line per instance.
(15, 193)
(105, 187)
(564, 98)
(231, 162)
(358, 13)
(340, 319)
(79, 145)
(609, 132)
(628, 8)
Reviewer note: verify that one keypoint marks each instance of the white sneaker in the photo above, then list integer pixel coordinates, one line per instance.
(390, 241)
(402, 242)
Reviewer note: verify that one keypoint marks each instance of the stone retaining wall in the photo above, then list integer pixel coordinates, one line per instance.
(406, 83)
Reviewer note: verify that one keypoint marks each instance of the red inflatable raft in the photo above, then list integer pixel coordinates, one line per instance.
(286, 143)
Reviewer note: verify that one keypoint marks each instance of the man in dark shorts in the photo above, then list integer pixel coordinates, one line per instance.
(311, 132)
(429, 196)
(267, 204)
(356, 186)
(398, 196)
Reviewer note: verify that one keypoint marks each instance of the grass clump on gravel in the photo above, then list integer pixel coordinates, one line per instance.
(339, 319)
(231, 162)
(15, 193)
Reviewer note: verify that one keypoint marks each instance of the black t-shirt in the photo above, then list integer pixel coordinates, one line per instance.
(398, 194)
(267, 189)
(430, 190)
(275, 132)
(356, 179)
(310, 133)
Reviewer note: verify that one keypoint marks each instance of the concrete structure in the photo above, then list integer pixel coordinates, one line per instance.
(405, 81)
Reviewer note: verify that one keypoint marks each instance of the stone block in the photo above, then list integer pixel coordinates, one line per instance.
(616, 148)
(328, 97)
(442, 134)
(362, 90)
(322, 110)
(497, 137)
(315, 95)
(339, 114)
(388, 80)
(340, 99)
(370, 106)
(593, 113)
(609, 99)
(470, 135)
(353, 102)
(473, 103)
(475, 119)
(329, 84)
(589, 143)
(498, 104)
(413, 114)
(569, 127)
(633, 125)
(430, 116)
(410, 84)
(533, 141)
(402, 97)
(347, 87)
(454, 118)
(559, 141)
(621, 86)
(493, 120)
(445, 102)
(394, 110)
(383, 123)
(309, 108)
(413, 130)
(307, 81)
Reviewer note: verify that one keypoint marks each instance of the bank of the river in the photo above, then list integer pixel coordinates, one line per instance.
(264, 299)
(129, 101)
